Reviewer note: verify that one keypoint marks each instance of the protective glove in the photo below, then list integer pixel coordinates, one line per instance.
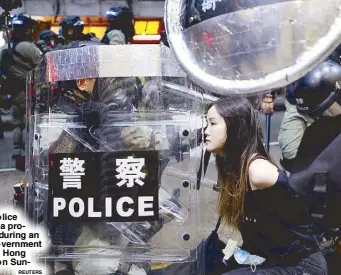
(136, 137)
(90, 113)
(40, 44)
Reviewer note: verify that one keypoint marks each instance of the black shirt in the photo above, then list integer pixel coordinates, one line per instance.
(275, 224)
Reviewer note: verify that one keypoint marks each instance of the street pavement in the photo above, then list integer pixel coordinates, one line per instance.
(6, 144)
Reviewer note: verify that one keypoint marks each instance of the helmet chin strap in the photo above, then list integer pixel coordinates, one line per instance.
(333, 110)
(78, 96)
(322, 107)
(331, 105)
(85, 95)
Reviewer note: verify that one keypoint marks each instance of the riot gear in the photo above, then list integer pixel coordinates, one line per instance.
(106, 112)
(317, 91)
(16, 62)
(315, 175)
(46, 41)
(22, 27)
(48, 37)
(72, 28)
(115, 12)
(120, 19)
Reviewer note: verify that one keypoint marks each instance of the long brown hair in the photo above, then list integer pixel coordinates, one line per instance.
(244, 139)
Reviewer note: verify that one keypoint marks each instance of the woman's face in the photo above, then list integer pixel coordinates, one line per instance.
(215, 131)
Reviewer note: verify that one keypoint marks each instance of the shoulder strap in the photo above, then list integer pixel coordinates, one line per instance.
(217, 225)
(205, 158)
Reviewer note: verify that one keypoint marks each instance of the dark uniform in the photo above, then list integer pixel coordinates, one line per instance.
(72, 30)
(121, 25)
(318, 95)
(16, 64)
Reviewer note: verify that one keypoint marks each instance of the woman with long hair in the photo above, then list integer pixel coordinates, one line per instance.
(255, 198)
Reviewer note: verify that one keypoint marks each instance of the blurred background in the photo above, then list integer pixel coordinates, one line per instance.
(148, 16)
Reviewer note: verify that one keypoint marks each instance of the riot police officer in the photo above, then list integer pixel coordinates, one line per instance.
(318, 95)
(72, 30)
(15, 64)
(121, 25)
(46, 41)
(48, 37)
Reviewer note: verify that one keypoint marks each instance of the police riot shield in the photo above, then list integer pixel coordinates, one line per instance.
(248, 46)
(113, 156)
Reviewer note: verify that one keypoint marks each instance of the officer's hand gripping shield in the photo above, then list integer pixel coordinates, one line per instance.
(113, 154)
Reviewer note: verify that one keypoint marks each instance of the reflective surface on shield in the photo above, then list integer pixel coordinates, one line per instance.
(138, 103)
(107, 61)
(256, 49)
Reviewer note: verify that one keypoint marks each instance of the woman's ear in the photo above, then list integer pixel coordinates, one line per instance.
(81, 84)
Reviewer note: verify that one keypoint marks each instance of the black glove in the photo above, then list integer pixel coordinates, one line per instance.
(42, 46)
(90, 113)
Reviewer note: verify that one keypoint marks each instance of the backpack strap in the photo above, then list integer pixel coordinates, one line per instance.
(217, 225)
(205, 157)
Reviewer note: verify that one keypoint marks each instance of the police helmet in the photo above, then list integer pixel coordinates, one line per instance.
(21, 20)
(68, 88)
(47, 35)
(319, 89)
(119, 11)
(72, 22)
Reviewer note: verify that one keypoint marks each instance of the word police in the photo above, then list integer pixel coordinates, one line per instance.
(77, 184)
(124, 207)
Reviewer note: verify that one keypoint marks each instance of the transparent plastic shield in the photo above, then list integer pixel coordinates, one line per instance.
(248, 46)
(112, 160)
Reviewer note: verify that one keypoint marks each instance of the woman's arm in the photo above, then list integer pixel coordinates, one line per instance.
(262, 174)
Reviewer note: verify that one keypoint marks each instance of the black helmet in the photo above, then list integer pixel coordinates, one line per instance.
(22, 27)
(319, 89)
(118, 11)
(121, 18)
(71, 22)
(47, 35)
(21, 20)
(68, 88)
